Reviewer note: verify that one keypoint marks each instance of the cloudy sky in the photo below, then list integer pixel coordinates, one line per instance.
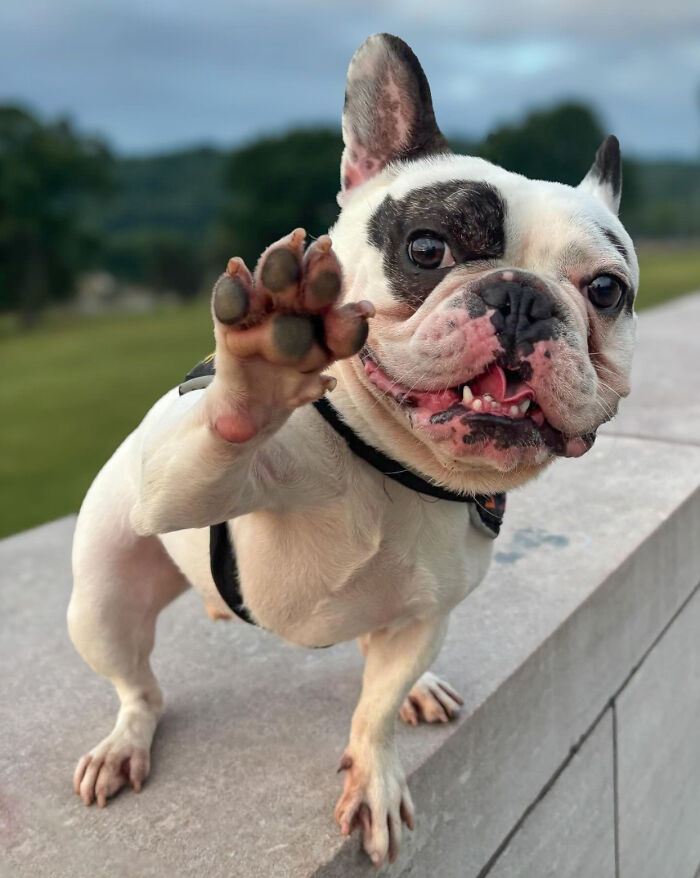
(160, 74)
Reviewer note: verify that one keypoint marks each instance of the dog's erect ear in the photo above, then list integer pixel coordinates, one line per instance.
(604, 180)
(388, 110)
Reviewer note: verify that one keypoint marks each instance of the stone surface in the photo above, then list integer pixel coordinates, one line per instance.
(594, 560)
(568, 610)
(665, 402)
(658, 745)
(570, 833)
(244, 776)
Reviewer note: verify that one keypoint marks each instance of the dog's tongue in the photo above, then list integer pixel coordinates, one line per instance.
(496, 384)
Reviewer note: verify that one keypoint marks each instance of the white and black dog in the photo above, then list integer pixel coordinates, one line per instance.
(486, 328)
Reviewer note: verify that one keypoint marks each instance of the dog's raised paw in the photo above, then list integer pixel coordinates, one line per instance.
(430, 700)
(286, 311)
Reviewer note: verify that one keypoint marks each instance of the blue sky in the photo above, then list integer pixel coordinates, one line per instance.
(168, 73)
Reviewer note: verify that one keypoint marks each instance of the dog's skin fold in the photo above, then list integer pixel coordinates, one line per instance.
(471, 323)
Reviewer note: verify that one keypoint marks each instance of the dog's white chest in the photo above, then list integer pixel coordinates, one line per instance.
(318, 577)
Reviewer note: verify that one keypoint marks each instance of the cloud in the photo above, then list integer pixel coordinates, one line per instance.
(152, 75)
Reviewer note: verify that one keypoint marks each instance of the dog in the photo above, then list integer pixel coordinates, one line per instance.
(472, 324)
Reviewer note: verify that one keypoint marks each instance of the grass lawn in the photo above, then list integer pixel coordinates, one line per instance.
(667, 271)
(70, 391)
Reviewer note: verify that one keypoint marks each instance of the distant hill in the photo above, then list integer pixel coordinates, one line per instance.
(668, 201)
(160, 219)
(175, 192)
(175, 209)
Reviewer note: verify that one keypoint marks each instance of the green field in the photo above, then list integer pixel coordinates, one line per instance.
(70, 391)
(667, 271)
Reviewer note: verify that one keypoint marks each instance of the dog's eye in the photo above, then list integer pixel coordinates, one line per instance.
(429, 251)
(605, 292)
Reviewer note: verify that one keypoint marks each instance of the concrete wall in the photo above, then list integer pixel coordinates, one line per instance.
(577, 752)
(626, 804)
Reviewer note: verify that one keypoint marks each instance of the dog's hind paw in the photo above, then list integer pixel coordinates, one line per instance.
(431, 700)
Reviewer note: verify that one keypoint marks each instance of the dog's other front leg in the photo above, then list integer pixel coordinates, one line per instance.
(376, 795)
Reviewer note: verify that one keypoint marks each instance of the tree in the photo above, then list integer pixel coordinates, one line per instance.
(557, 144)
(552, 144)
(48, 174)
(173, 264)
(276, 184)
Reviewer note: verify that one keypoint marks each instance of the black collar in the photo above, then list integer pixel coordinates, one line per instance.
(394, 469)
(485, 510)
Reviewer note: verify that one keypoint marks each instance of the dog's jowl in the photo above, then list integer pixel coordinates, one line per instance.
(472, 324)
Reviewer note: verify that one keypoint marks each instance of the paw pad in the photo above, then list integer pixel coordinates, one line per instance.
(287, 312)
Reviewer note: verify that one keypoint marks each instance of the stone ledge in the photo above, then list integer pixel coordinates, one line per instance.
(570, 833)
(665, 403)
(244, 781)
(594, 560)
(658, 761)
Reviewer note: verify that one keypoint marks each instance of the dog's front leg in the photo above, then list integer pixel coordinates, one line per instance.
(376, 795)
(215, 456)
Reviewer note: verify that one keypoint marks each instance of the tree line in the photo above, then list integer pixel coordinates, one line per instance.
(68, 204)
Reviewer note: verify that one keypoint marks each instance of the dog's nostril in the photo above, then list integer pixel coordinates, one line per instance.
(496, 296)
(541, 308)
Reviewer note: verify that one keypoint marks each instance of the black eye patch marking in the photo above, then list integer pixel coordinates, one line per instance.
(616, 242)
(612, 238)
(587, 259)
(468, 216)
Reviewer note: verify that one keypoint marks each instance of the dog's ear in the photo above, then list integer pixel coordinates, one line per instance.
(604, 180)
(388, 110)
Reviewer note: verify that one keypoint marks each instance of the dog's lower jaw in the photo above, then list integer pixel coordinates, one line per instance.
(363, 408)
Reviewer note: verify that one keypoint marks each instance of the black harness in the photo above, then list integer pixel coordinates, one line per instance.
(486, 511)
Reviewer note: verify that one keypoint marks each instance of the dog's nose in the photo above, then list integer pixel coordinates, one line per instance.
(524, 310)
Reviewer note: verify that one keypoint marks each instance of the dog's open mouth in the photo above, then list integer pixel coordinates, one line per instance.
(498, 407)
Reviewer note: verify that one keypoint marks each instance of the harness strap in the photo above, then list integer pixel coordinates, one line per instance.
(485, 510)
(224, 570)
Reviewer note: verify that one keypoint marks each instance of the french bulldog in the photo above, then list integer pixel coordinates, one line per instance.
(473, 326)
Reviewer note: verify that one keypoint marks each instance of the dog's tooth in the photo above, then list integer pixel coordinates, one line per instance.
(515, 410)
(524, 405)
(488, 397)
(477, 405)
(467, 395)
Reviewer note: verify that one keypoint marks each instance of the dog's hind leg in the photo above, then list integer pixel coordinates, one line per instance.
(121, 582)
(430, 699)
